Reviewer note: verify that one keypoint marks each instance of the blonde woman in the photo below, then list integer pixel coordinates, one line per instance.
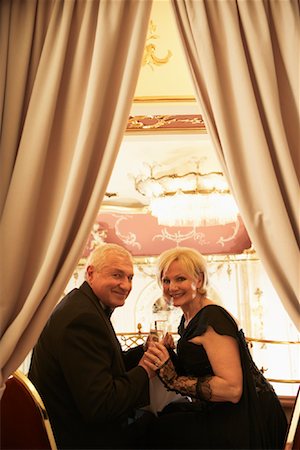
(229, 404)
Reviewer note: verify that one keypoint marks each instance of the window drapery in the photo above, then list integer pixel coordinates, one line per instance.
(67, 79)
(68, 75)
(244, 59)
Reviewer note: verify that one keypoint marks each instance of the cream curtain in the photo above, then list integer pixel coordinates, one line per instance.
(244, 59)
(68, 75)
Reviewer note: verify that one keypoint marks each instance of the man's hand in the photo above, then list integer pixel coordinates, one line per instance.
(143, 363)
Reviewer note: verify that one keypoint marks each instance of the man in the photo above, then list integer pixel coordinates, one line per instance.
(89, 386)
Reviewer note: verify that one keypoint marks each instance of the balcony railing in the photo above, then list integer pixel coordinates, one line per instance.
(129, 340)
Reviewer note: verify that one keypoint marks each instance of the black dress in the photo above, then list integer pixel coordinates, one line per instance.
(257, 421)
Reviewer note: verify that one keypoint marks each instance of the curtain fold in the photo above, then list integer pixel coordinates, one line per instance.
(68, 75)
(244, 60)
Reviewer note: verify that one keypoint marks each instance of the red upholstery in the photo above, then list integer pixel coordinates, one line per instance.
(23, 417)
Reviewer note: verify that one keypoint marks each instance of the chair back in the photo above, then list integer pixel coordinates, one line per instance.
(292, 441)
(24, 419)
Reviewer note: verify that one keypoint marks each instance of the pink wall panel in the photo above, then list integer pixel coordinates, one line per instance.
(142, 236)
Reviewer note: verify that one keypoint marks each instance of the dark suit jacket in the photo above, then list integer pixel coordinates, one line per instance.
(81, 374)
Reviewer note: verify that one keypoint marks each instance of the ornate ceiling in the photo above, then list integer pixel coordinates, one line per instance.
(165, 130)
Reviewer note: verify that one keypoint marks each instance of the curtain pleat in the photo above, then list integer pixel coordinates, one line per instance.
(68, 75)
(244, 60)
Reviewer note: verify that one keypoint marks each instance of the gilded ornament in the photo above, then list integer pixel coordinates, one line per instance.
(149, 57)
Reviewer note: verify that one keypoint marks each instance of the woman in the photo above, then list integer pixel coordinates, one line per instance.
(230, 404)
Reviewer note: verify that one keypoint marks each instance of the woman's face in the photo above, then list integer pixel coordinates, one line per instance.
(179, 286)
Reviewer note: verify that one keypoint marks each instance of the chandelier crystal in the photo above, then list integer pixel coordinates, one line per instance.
(191, 199)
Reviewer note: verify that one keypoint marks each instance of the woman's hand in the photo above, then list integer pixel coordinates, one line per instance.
(168, 341)
(156, 355)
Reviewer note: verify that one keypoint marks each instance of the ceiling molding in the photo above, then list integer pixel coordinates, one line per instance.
(165, 99)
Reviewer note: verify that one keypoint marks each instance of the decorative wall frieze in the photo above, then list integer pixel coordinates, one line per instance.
(180, 122)
(177, 236)
(142, 236)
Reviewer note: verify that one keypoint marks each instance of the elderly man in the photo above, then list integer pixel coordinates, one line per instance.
(91, 389)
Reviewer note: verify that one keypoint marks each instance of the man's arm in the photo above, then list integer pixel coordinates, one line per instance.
(93, 367)
(133, 356)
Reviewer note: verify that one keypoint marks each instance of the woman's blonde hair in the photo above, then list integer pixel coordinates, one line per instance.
(192, 261)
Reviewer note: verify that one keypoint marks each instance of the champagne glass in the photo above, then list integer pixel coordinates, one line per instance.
(157, 330)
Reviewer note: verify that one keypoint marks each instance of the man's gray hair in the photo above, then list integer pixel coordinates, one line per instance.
(98, 256)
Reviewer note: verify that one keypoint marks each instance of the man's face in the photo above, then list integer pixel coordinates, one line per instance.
(113, 283)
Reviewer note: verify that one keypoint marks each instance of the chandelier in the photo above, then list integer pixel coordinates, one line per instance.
(188, 199)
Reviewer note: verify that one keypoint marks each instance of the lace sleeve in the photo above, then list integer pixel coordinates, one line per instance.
(198, 388)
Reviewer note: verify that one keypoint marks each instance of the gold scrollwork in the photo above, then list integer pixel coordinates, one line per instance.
(165, 121)
(149, 57)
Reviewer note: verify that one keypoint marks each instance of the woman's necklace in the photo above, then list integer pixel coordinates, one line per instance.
(187, 321)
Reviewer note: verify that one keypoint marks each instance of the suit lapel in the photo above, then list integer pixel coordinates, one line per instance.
(88, 292)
